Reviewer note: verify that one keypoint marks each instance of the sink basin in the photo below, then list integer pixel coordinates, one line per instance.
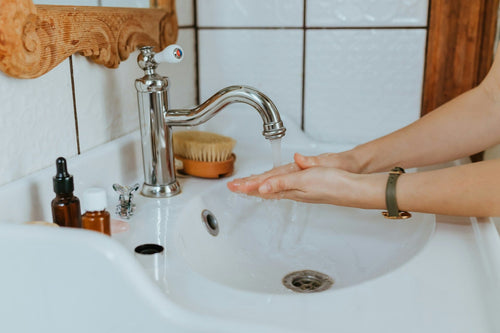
(388, 276)
(260, 242)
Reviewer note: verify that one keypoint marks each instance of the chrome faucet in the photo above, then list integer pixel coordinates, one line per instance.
(156, 120)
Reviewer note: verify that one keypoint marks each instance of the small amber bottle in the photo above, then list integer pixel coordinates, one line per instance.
(65, 206)
(96, 217)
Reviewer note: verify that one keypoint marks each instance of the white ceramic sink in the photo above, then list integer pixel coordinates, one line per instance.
(262, 241)
(389, 276)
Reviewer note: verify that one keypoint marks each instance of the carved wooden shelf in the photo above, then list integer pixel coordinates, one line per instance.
(36, 38)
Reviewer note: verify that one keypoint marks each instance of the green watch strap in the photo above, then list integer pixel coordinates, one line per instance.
(391, 202)
(390, 192)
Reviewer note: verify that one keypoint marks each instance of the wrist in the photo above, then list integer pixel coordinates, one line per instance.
(359, 159)
(369, 190)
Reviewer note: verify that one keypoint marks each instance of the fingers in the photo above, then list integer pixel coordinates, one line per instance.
(243, 185)
(344, 161)
(281, 183)
(251, 184)
(289, 186)
(305, 162)
(326, 160)
(291, 195)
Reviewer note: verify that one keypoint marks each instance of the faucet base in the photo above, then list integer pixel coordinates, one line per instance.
(160, 191)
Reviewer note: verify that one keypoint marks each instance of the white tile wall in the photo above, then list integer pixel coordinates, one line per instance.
(37, 123)
(185, 12)
(125, 3)
(269, 60)
(366, 13)
(182, 76)
(359, 84)
(254, 13)
(106, 98)
(362, 84)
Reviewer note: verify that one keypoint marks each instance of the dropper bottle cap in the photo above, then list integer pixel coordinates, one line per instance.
(63, 181)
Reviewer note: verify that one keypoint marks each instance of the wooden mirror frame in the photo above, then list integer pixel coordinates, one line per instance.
(36, 38)
(460, 42)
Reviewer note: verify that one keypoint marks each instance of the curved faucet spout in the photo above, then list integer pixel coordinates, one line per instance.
(156, 120)
(156, 123)
(273, 126)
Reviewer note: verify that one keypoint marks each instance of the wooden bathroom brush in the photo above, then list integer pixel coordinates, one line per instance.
(204, 154)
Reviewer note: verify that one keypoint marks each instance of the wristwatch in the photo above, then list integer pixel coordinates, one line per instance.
(391, 202)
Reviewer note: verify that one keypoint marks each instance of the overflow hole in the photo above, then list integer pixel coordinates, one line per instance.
(210, 222)
(148, 249)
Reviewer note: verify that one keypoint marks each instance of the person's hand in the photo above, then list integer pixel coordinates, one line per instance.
(313, 185)
(343, 161)
(326, 186)
(307, 180)
(250, 185)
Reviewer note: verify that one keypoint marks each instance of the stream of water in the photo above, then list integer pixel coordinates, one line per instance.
(276, 147)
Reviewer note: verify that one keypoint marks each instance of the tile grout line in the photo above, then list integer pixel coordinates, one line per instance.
(74, 103)
(410, 27)
(304, 29)
(304, 26)
(315, 28)
(197, 53)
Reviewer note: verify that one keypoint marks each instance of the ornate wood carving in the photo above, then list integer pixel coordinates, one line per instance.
(36, 38)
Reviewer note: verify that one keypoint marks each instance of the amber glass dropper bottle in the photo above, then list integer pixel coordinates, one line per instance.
(65, 206)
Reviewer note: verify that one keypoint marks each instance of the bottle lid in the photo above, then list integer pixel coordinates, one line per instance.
(94, 200)
(63, 181)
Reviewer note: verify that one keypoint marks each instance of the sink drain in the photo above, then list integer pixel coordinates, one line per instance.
(307, 281)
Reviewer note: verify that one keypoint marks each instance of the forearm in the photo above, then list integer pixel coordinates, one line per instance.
(462, 127)
(467, 190)
(459, 128)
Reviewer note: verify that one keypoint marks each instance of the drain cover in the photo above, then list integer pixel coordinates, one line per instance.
(307, 281)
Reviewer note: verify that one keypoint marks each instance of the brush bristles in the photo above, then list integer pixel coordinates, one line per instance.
(203, 146)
